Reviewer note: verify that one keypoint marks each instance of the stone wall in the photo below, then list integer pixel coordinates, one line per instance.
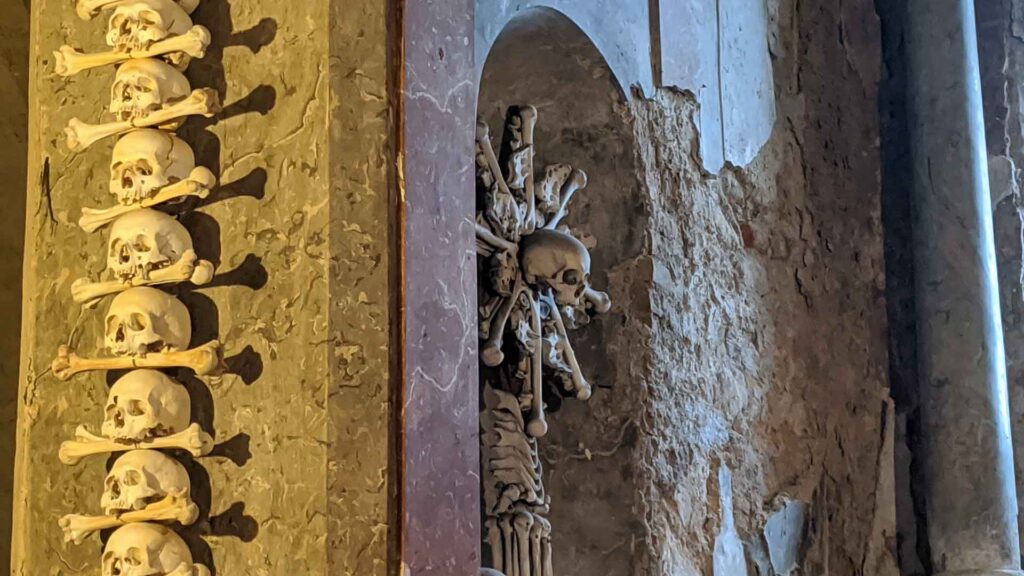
(767, 334)
(13, 138)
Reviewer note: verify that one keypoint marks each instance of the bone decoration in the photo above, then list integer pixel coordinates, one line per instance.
(89, 9)
(149, 550)
(536, 289)
(143, 486)
(146, 248)
(146, 404)
(192, 440)
(141, 29)
(145, 328)
(147, 93)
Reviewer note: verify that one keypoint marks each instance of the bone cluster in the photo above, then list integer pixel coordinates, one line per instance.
(535, 289)
(148, 414)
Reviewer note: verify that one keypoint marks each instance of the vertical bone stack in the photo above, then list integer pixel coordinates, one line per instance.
(146, 329)
(534, 287)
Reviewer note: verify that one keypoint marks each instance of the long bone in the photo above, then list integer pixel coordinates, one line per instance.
(600, 300)
(537, 427)
(201, 102)
(491, 352)
(577, 181)
(494, 541)
(483, 141)
(192, 439)
(89, 9)
(580, 384)
(173, 508)
(206, 360)
(528, 116)
(505, 522)
(68, 61)
(536, 547)
(523, 523)
(548, 569)
(199, 184)
(189, 268)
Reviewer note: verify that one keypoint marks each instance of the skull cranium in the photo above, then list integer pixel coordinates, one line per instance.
(555, 260)
(138, 25)
(143, 241)
(145, 550)
(144, 161)
(146, 404)
(142, 320)
(140, 478)
(144, 86)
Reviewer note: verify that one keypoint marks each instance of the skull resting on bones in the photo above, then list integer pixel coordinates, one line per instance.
(144, 86)
(143, 241)
(147, 550)
(145, 404)
(142, 320)
(144, 161)
(139, 24)
(554, 260)
(140, 478)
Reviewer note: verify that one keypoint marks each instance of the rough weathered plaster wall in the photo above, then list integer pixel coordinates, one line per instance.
(767, 338)
(13, 136)
(296, 231)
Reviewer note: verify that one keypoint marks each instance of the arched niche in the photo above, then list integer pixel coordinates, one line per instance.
(542, 58)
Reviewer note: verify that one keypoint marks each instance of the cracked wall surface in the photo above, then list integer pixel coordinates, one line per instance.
(298, 482)
(748, 329)
(13, 136)
(768, 328)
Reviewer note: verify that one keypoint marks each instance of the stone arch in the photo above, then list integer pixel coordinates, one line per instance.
(542, 57)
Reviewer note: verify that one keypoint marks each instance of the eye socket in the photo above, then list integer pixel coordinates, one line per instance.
(143, 168)
(145, 85)
(149, 18)
(136, 408)
(132, 478)
(137, 322)
(571, 277)
(141, 244)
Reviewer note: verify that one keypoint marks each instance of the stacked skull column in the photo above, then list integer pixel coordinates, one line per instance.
(148, 414)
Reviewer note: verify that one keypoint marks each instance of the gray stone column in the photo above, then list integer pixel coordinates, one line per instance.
(972, 509)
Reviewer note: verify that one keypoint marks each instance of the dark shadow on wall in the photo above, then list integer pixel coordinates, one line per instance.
(542, 58)
(912, 543)
(14, 40)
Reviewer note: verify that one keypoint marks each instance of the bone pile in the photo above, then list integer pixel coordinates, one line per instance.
(535, 287)
(148, 414)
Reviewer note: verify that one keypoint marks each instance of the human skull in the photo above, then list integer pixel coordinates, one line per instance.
(144, 161)
(144, 86)
(146, 404)
(145, 550)
(554, 260)
(143, 241)
(140, 478)
(140, 24)
(142, 320)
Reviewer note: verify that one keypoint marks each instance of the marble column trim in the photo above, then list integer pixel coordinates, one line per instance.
(440, 420)
(969, 484)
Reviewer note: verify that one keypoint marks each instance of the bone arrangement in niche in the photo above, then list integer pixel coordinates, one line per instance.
(534, 288)
(148, 414)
